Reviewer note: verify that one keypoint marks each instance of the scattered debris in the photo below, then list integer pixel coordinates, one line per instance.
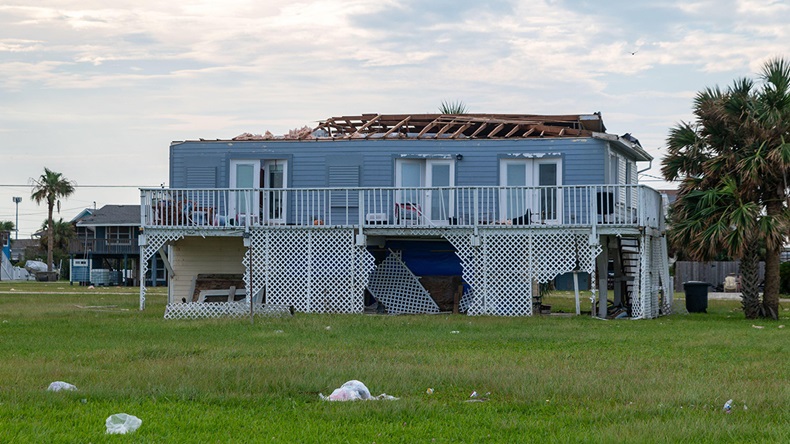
(328, 327)
(455, 332)
(781, 326)
(429, 391)
(353, 391)
(475, 397)
(757, 326)
(728, 406)
(278, 331)
(60, 385)
(122, 423)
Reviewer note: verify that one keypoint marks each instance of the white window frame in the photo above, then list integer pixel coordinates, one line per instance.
(532, 195)
(267, 196)
(423, 197)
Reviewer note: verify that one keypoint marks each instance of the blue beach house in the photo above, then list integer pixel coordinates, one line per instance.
(415, 213)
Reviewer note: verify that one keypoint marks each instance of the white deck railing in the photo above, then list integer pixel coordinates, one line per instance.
(574, 206)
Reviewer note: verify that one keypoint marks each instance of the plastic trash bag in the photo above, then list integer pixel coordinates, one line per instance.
(353, 391)
(60, 385)
(121, 423)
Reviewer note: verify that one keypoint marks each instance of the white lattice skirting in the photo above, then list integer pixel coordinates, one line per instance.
(315, 271)
(501, 265)
(240, 309)
(319, 271)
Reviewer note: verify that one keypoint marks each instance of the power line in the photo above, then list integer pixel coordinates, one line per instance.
(88, 186)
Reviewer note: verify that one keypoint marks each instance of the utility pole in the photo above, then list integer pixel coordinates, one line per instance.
(16, 224)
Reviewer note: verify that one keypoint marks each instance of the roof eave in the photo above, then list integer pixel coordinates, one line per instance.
(639, 153)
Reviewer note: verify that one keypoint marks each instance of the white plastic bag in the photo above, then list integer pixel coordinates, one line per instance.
(353, 391)
(121, 423)
(60, 385)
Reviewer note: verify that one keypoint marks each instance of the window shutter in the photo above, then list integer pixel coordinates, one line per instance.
(345, 176)
(202, 177)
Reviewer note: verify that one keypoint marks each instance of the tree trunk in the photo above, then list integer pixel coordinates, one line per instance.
(771, 292)
(50, 236)
(772, 278)
(750, 275)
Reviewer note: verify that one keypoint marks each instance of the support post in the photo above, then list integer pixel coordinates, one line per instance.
(576, 292)
(603, 267)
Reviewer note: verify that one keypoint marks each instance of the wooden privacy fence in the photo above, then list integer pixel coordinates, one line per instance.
(712, 272)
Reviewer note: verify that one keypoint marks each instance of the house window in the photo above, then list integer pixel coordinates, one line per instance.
(530, 193)
(119, 235)
(424, 190)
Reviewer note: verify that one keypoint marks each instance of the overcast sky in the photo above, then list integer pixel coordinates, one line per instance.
(97, 89)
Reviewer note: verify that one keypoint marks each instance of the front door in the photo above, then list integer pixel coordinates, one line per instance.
(417, 199)
(530, 193)
(243, 203)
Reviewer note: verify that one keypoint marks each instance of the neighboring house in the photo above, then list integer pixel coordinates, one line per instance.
(410, 210)
(6, 269)
(105, 250)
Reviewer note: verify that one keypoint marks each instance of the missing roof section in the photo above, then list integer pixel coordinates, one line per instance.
(458, 126)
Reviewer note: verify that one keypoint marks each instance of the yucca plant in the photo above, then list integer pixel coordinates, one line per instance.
(453, 107)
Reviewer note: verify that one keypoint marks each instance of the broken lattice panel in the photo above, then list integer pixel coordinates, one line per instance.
(398, 289)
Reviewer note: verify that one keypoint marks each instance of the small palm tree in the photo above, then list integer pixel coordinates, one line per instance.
(6, 225)
(50, 187)
(452, 107)
(62, 232)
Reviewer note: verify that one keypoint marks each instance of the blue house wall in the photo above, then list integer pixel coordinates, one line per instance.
(206, 164)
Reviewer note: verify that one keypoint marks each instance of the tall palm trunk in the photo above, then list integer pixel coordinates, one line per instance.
(50, 236)
(750, 292)
(773, 251)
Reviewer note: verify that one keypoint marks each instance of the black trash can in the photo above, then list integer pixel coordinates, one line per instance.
(696, 296)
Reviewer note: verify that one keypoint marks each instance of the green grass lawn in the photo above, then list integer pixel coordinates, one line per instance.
(567, 379)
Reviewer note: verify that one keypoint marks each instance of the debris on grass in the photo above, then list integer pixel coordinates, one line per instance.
(475, 397)
(455, 332)
(60, 385)
(122, 423)
(728, 406)
(757, 326)
(429, 391)
(353, 391)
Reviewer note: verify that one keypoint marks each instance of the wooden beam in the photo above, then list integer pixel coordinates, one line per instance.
(365, 126)
(460, 130)
(166, 262)
(497, 129)
(396, 127)
(427, 127)
(513, 131)
(479, 129)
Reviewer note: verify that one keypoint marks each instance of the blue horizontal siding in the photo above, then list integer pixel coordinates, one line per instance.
(583, 159)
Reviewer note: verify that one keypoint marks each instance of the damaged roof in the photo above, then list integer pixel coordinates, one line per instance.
(459, 126)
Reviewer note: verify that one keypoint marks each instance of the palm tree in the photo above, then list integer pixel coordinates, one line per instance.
(62, 233)
(6, 225)
(51, 187)
(737, 145)
(448, 107)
